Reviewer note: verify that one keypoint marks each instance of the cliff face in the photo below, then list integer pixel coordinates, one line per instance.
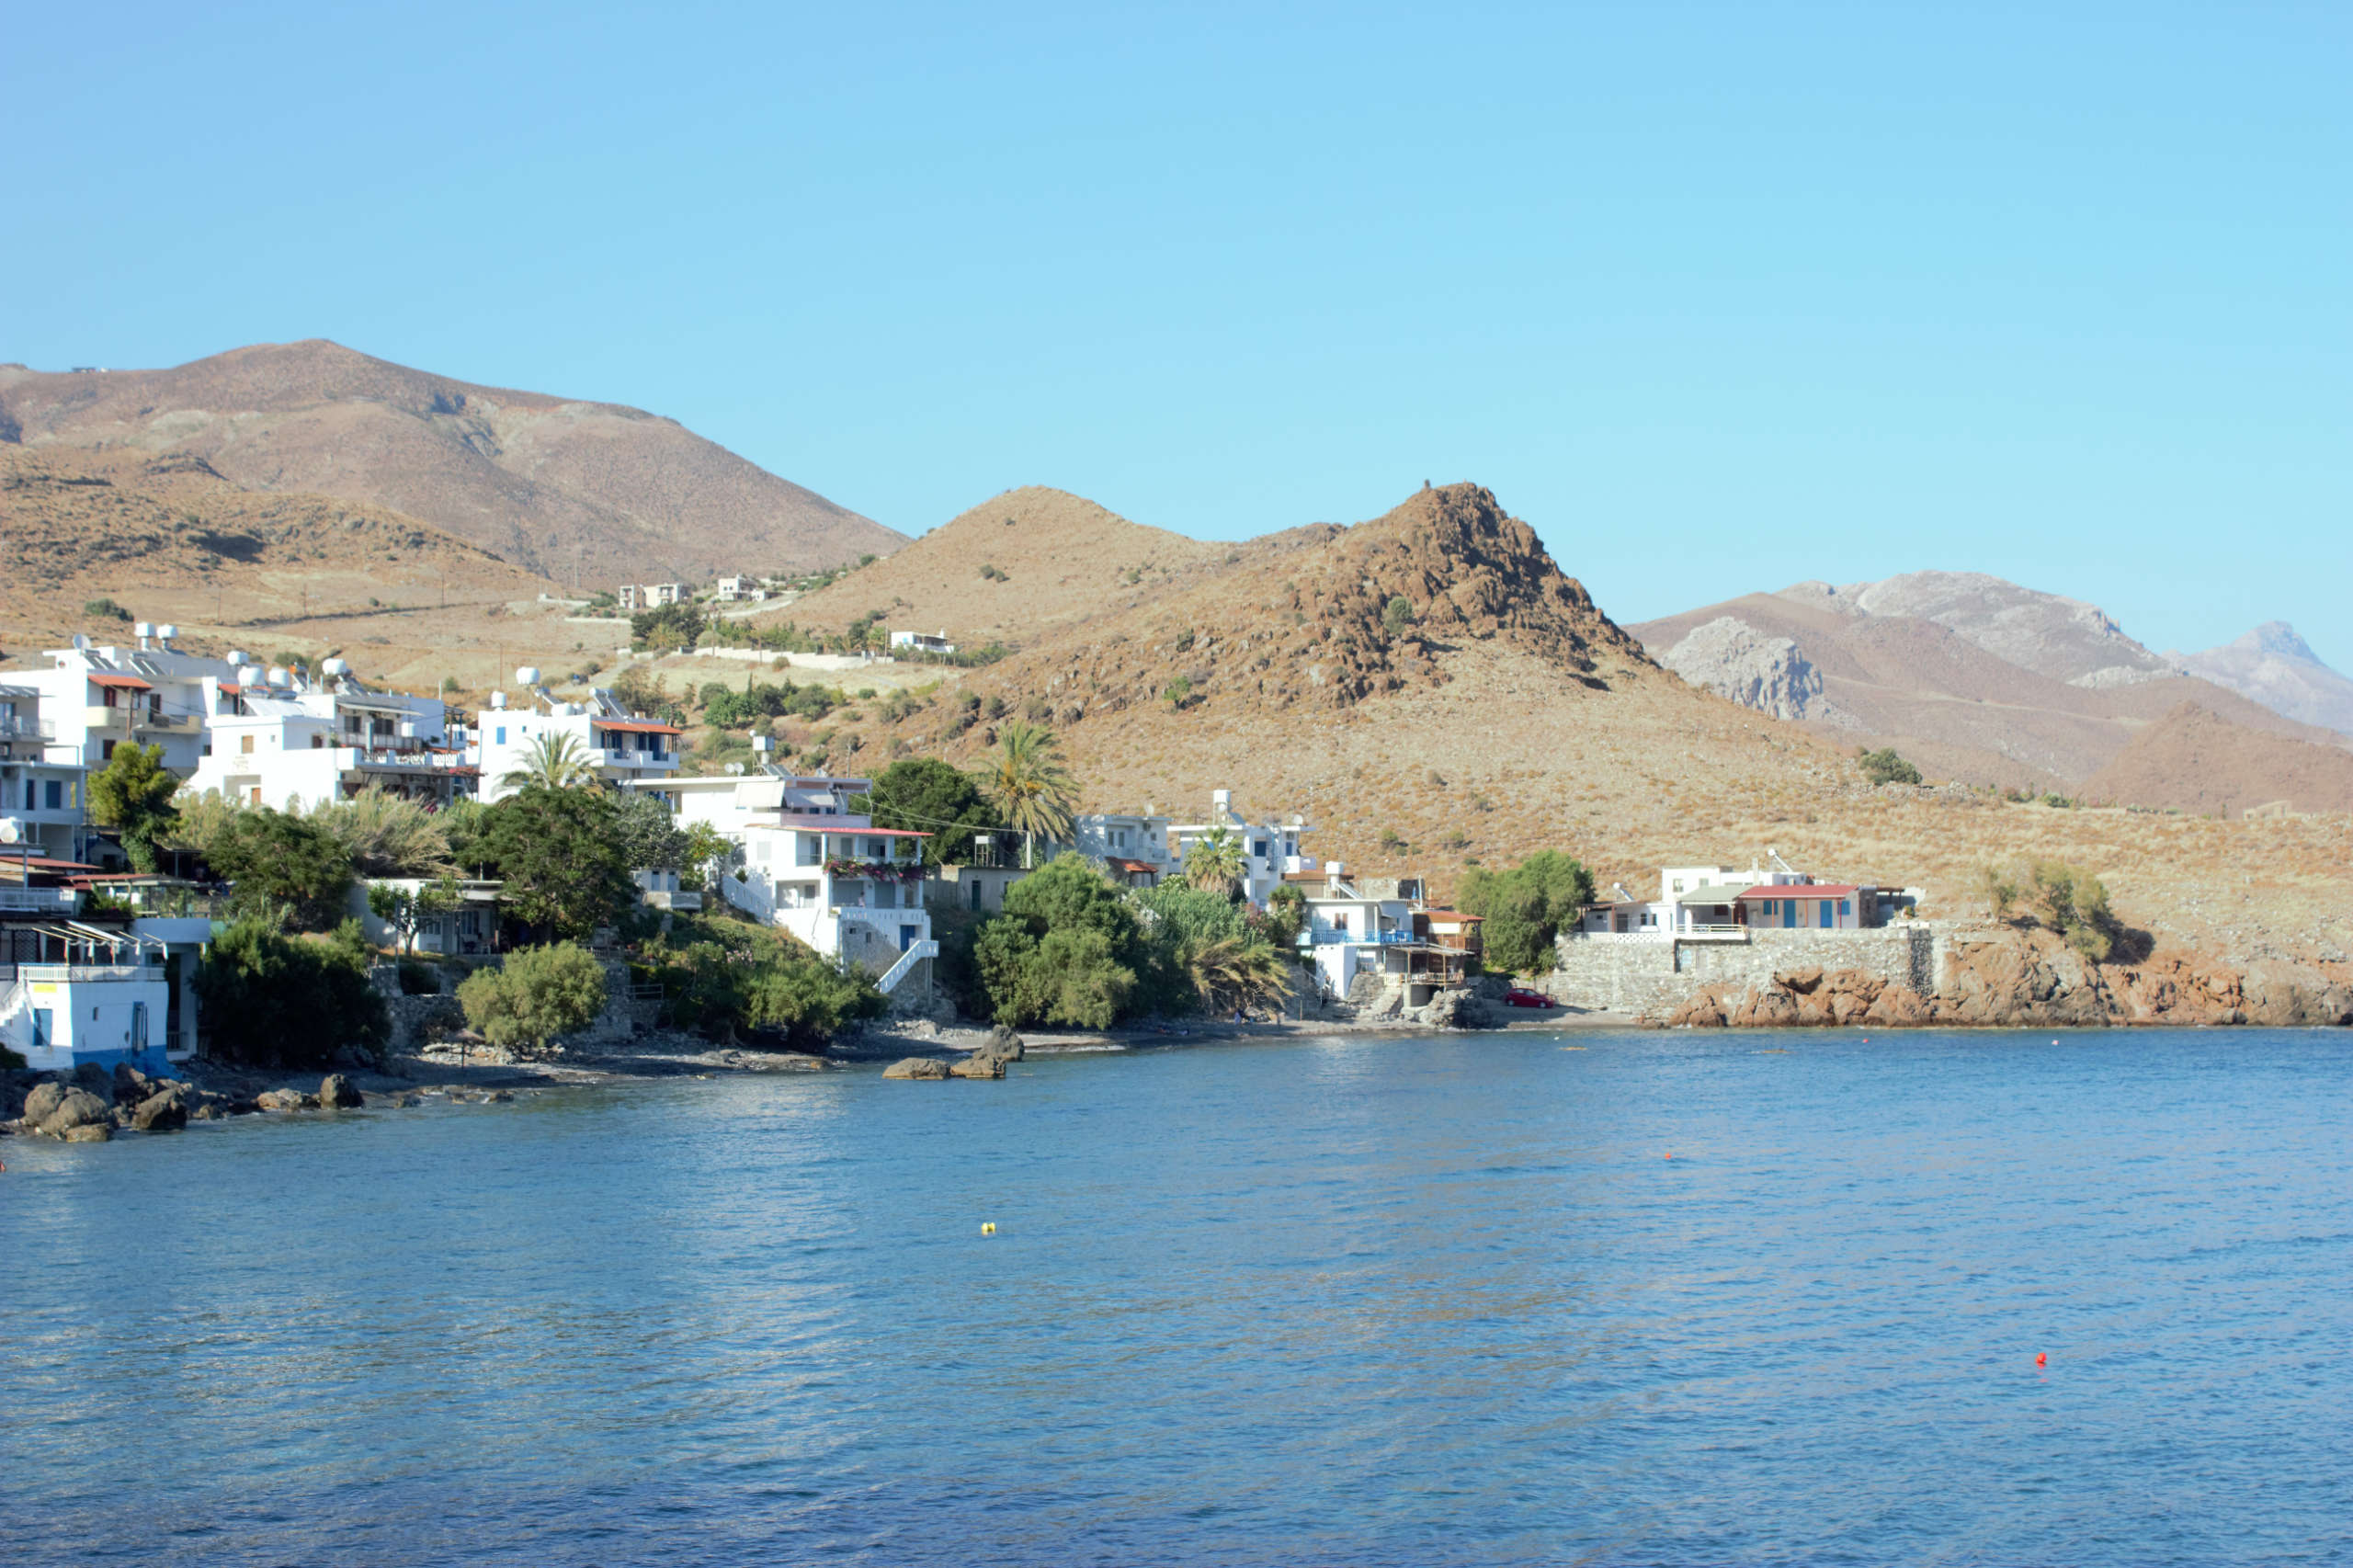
(2010, 977)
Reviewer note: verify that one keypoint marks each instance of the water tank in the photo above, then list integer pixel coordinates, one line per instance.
(498, 699)
(763, 743)
(529, 674)
(249, 676)
(167, 632)
(11, 830)
(335, 667)
(238, 657)
(280, 676)
(142, 629)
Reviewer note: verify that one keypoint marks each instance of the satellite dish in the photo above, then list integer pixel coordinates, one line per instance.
(81, 641)
(11, 830)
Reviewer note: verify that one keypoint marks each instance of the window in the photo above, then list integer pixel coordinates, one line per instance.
(318, 743)
(502, 734)
(1340, 924)
(245, 745)
(877, 848)
(29, 794)
(976, 893)
(54, 795)
(139, 1026)
(1649, 919)
(1679, 885)
(1844, 908)
(1258, 848)
(105, 751)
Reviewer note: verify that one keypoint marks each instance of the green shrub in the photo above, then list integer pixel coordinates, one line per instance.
(721, 977)
(104, 609)
(2060, 898)
(1397, 615)
(540, 993)
(1884, 767)
(276, 860)
(419, 978)
(275, 1000)
(1524, 908)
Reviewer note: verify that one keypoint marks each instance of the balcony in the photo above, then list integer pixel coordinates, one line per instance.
(408, 759)
(14, 727)
(616, 757)
(40, 901)
(80, 974)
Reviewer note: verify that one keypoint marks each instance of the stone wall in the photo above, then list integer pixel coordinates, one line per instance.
(1655, 977)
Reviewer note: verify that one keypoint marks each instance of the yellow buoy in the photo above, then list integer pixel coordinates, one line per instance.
(988, 1227)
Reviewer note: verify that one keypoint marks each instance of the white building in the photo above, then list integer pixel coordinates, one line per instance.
(1723, 903)
(72, 992)
(624, 748)
(1359, 926)
(93, 700)
(736, 590)
(275, 738)
(1134, 847)
(1270, 849)
(812, 862)
(42, 809)
(923, 641)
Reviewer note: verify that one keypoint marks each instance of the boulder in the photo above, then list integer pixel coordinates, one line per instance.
(77, 1108)
(1801, 980)
(164, 1112)
(919, 1067)
(976, 1065)
(43, 1100)
(287, 1099)
(91, 1077)
(335, 1092)
(130, 1086)
(1004, 1044)
(1898, 1006)
(89, 1132)
(500, 1097)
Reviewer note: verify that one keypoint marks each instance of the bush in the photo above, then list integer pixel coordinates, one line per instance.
(274, 1000)
(668, 629)
(564, 866)
(721, 977)
(1397, 615)
(419, 978)
(1066, 950)
(1524, 908)
(1884, 767)
(927, 795)
(132, 794)
(540, 994)
(104, 609)
(2060, 898)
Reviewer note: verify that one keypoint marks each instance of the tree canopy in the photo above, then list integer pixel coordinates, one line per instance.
(132, 794)
(1524, 907)
(274, 859)
(565, 869)
(1886, 767)
(927, 795)
(1029, 783)
(281, 1001)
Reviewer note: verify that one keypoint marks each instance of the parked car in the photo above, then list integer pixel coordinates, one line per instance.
(1520, 996)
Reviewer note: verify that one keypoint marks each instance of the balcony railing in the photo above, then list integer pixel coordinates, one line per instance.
(47, 901)
(77, 974)
(14, 727)
(389, 756)
(1330, 936)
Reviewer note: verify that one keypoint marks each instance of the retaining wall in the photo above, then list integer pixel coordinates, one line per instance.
(1657, 975)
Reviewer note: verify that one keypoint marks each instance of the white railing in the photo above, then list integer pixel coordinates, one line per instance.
(916, 953)
(398, 756)
(74, 973)
(41, 899)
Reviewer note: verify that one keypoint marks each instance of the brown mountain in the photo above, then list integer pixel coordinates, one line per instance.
(1509, 715)
(2192, 761)
(168, 539)
(551, 484)
(1857, 664)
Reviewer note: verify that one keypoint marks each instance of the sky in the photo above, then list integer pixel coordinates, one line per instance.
(1718, 298)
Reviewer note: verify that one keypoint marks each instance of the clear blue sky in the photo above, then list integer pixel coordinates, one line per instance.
(1719, 298)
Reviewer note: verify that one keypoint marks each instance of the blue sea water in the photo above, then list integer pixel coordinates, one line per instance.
(1362, 1300)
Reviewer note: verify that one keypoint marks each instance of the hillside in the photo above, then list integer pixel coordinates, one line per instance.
(1940, 693)
(2193, 761)
(1059, 559)
(551, 484)
(169, 539)
(2274, 666)
(1513, 716)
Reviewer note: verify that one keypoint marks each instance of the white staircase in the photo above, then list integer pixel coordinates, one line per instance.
(916, 953)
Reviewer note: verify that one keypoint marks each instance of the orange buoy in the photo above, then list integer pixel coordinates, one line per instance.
(2041, 1360)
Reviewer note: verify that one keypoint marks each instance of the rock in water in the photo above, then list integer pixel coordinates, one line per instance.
(130, 1086)
(287, 1099)
(41, 1103)
(916, 1067)
(75, 1109)
(1003, 1044)
(95, 1078)
(980, 1064)
(335, 1092)
(164, 1112)
(89, 1132)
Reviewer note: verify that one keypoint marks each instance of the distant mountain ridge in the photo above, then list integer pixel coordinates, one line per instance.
(553, 486)
(2273, 665)
(2061, 639)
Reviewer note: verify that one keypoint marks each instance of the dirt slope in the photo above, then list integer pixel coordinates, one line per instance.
(546, 482)
(2193, 761)
(1062, 559)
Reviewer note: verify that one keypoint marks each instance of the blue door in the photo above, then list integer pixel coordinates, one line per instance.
(1789, 914)
(907, 937)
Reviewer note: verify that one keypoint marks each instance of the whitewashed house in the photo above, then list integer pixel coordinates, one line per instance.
(1270, 849)
(93, 700)
(1723, 903)
(42, 809)
(812, 862)
(626, 749)
(922, 642)
(275, 738)
(1134, 847)
(74, 992)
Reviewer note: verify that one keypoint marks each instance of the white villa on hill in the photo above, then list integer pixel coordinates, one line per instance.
(274, 737)
(1270, 849)
(93, 700)
(41, 806)
(625, 749)
(812, 862)
(1360, 925)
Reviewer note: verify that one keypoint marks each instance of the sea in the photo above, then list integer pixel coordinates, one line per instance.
(1514, 1298)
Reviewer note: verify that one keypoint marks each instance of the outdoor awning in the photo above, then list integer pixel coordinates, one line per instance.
(129, 683)
(1145, 867)
(636, 726)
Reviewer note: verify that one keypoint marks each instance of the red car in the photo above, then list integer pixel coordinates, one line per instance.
(1520, 996)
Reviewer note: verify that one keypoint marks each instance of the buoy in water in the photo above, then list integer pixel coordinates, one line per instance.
(2041, 1358)
(988, 1227)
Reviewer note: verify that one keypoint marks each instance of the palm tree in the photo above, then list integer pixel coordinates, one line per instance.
(1215, 862)
(1238, 972)
(1029, 787)
(551, 761)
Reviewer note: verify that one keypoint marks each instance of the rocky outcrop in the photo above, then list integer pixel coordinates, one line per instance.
(925, 1067)
(162, 1112)
(335, 1092)
(56, 1111)
(977, 1065)
(1734, 659)
(287, 1099)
